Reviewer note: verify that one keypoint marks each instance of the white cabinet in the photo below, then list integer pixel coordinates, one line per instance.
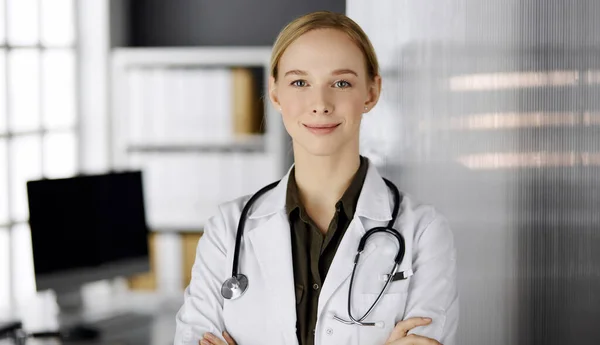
(173, 116)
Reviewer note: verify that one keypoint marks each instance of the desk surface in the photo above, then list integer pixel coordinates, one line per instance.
(151, 323)
(156, 332)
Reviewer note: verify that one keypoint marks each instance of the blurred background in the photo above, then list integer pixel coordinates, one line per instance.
(123, 124)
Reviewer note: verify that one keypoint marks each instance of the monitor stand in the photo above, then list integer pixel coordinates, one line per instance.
(71, 314)
(70, 303)
(78, 321)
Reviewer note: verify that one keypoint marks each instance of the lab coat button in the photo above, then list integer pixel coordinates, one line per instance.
(329, 331)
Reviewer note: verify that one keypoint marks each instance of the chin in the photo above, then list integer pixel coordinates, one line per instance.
(322, 153)
(321, 148)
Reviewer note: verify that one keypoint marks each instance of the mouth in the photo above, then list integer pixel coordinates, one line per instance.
(322, 126)
(321, 129)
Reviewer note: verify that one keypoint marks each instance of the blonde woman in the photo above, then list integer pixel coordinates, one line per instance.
(282, 267)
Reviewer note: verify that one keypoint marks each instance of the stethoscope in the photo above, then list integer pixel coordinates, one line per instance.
(234, 287)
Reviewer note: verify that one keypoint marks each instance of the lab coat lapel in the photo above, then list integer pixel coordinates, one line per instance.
(271, 245)
(373, 204)
(341, 266)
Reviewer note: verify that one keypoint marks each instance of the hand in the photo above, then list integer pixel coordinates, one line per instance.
(400, 335)
(211, 339)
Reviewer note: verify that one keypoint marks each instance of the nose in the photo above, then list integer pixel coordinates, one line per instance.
(321, 104)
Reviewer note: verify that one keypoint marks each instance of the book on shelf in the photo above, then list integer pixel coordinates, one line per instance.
(175, 116)
(190, 105)
(247, 103)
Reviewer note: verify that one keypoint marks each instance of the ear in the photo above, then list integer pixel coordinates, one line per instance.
(373, 92)
(273, 93)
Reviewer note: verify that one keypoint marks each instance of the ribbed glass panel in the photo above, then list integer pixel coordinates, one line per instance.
(491, 112)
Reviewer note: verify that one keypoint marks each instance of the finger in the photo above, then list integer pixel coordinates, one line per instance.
(211, 339)
(205, 341)
(404, 326)
(414, 339)
(228, 338)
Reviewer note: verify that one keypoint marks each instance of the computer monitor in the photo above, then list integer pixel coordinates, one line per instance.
(87, 228)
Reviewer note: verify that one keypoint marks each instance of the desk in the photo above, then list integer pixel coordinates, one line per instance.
(155, 326)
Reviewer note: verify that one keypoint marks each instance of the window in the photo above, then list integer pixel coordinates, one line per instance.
(38, 123)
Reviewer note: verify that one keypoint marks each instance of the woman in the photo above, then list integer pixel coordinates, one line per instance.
(300, 238)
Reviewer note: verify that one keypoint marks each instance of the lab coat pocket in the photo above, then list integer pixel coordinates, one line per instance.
(389, 309)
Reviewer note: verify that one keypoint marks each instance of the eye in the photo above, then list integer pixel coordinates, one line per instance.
(298, 83)
(342, 84)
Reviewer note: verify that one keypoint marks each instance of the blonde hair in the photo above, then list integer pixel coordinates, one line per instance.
(324, 20)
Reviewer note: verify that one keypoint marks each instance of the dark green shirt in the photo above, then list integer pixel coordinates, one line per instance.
(313, 251)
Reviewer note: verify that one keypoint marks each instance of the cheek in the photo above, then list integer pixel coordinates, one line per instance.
(292, 111)
(352, 108)
(293, 104)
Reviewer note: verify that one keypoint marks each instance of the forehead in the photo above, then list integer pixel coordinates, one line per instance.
(322, 50)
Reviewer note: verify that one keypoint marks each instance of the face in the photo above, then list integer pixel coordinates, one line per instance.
(322, 91)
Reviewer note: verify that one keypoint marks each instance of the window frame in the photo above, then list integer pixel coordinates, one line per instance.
(43, 130)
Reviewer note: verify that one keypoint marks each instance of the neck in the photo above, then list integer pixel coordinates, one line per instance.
(322, 180)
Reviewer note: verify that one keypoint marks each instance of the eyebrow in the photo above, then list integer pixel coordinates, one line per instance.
(344, 71)
(336, 72)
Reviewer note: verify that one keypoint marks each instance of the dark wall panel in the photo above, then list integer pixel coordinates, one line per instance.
(216, 23)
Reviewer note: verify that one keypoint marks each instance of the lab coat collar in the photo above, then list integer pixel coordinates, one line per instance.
(273, 201)
(373, 202)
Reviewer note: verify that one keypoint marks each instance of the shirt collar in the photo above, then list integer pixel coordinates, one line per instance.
(347, 202)
(374, 201)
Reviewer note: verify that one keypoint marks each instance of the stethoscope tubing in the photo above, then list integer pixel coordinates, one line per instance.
(387, 229)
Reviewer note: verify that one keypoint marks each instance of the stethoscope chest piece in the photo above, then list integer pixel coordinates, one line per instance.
(234, 287)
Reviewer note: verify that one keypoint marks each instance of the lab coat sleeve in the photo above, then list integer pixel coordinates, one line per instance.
(433, 292)
(202, 310)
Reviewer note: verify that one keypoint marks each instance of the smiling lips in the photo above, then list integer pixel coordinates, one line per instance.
(322, 129)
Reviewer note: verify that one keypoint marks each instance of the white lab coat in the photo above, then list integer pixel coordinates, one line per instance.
(266, 313)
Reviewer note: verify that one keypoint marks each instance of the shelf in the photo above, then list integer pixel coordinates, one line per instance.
(273, 141)
(244, 145)
(196, 56)
(175, 159)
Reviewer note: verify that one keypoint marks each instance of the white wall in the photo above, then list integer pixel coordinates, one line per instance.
(94, 50)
